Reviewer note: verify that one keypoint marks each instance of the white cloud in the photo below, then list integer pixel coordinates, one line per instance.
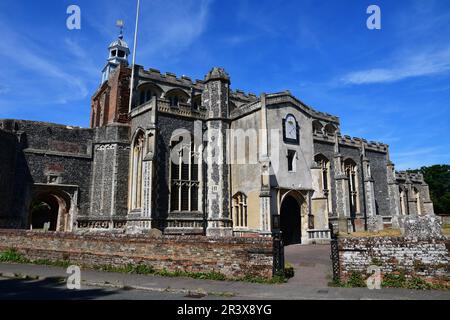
(166, 27)
(57, 72)
(22, 52)
(413, 65)
(171, 26)
(82, 61)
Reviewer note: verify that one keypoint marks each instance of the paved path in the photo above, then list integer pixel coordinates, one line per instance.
(155, 287)
(312, 265)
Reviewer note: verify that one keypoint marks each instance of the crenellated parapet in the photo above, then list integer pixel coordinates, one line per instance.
(404, 176)
(239, 95)
(168, 78)
(349, 141)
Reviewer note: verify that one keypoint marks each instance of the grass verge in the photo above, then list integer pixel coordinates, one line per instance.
(13, 256)
(446, 229)
(367, 234)
(392, 280)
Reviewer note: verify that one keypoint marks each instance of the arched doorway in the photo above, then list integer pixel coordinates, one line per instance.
(290, 220)
(50, 209)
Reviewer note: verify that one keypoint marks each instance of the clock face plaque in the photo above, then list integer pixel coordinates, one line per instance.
(290, 130)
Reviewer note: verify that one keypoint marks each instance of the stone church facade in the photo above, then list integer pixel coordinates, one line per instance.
(196, 157)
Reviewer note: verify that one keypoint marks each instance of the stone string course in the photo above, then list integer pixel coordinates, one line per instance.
(232, 257)
(424, 258)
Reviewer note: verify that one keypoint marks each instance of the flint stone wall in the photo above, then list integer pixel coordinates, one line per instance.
(423, 258)
(232, 257)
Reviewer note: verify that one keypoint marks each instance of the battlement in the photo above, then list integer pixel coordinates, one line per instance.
(241, 95)
(356, 142)
(170, 77)
(187, 82)
(324, 114)
(409, 176)
(236, 95)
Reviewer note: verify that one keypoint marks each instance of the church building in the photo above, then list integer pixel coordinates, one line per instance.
(198, 157)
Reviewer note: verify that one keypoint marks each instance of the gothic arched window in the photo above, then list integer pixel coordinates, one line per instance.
(147, 91)
(136, 171)
(184, 177)
(177, 96)
(197, 102)
(317, 127)
(325, 177)
(403, 202)
(416, 193)
(240, 218)
(351, 171)
(330, 129)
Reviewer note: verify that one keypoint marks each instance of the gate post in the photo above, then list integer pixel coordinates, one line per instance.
(278, 254)
(335, 260)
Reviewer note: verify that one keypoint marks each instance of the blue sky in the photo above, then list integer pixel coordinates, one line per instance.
(390, 85)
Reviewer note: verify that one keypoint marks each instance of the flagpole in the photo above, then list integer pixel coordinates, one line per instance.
(134, 56)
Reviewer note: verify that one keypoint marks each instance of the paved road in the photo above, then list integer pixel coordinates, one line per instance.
(52, 288)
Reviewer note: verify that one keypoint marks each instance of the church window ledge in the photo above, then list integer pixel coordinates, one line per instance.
(137, 210)
(175, 212)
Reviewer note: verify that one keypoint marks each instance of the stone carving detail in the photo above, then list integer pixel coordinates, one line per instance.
(101, 224)
(185, 223)
(119, 224)
(93, 224)
(103, 147)
(182, 110)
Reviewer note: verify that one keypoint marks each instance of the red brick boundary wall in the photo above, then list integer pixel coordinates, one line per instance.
(428, 259)
(232, 257)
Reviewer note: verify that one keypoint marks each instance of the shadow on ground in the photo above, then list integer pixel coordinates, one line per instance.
(45, 289)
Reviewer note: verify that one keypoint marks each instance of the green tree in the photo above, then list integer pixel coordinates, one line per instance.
(438, 179)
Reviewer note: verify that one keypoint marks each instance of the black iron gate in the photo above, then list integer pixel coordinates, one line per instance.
(335, 260)
(278, 254)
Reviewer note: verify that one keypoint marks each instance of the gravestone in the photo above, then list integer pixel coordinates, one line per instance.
(375, 223)
(398, 222)
(422, 227)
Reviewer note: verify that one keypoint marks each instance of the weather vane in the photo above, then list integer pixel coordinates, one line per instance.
(120, 24)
